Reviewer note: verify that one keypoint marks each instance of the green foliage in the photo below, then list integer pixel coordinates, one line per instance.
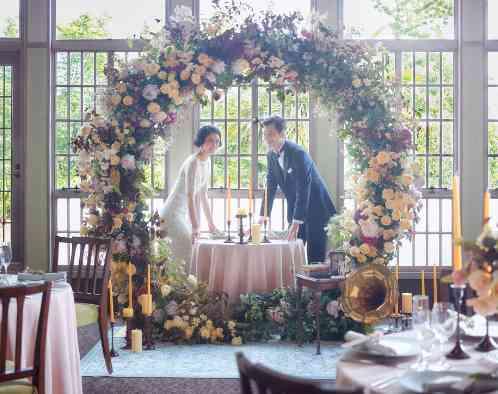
(86, 26)
(11, 28)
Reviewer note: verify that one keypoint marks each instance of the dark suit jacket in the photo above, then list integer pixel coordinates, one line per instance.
(307, 196)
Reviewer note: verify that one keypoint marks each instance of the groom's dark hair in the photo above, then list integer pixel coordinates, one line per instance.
(203, 132)
(275, 121)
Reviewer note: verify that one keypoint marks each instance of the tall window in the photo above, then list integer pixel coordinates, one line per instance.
(238, 115)
(9, 19)
(425, 76)
(492, 104)
(79, 79)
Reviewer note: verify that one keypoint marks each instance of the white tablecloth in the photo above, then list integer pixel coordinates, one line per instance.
(62, 371)
(361, 373)
(238, 269)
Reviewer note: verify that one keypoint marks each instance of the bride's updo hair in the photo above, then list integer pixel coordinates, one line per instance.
(203, 132)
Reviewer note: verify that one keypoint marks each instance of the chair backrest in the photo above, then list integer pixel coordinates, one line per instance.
(37, 371)
(88, 268)
(258, 379)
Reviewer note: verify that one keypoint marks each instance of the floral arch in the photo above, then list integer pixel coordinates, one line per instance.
(181, 64)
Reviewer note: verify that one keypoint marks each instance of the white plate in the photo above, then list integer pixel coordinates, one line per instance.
(404, 347)
(477, 327)
(414, 381)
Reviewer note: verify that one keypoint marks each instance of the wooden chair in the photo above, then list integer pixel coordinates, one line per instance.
(88, 272)
(14, 378)
(258, 379)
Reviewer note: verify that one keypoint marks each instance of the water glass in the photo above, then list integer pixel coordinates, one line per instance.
(443, 323)
(5, 255)
(421, 324)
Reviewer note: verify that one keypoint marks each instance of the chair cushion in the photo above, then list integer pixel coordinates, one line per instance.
(86, 314)
(19, 386)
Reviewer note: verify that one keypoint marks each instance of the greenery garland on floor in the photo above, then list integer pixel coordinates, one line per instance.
(182, 65)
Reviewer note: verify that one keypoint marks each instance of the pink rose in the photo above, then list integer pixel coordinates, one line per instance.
(484, 306)
(128, 162)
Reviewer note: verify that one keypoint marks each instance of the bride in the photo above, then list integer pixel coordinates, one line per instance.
(181, 213)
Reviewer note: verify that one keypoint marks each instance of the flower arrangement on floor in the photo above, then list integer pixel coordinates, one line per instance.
(185, 312)
(182, 65)
(481, 271)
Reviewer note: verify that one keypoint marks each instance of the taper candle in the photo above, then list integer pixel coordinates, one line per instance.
(130, 287)
(485, 207)
(457, 225)
(434, 283)
(250, 194)
(111, 303)
(422, 282)
(396, 301)
(148, 279)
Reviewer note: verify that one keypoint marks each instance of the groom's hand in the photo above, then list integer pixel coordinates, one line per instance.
(293, 230)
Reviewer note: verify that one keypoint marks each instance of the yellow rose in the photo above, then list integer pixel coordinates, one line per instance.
(115, 160)
(389, 247)
(196, 79)
(231, 325)
(128, 101)
(396, 215)
(115, 177)
(205, 332)
(153, 107)
(407, 180)
(383, 157)
(209, 323)
(237, 341)
(379, 260)
(189, 331)
(121, 87)
(364, 248)
(378, 210)
(405, 224)
(115, 99)
(386, 220)
(372, 252)
(361, 258)
(388, 194)
(162, 75)
(151, 69)
(373, 175)
(83, 231)
(131, 268)
(356, 83)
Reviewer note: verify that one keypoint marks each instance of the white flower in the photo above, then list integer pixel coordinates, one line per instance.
(150, 92)
(333, 309)
(171, 308)
(158, 315)
(369, 228)
(159, 117)
(99, 121)
(128, 162)
(192, 280)
(136, 242)
(165, 290)
(218, 67)
(240, 66)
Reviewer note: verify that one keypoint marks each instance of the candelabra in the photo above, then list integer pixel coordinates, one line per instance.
(487, 343)
(265, 238)
(148, 341)
(250, 227)
(114, 353)
(229, 238)
(241, 228)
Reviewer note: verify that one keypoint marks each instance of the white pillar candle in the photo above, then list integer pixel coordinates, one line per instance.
(256, 233)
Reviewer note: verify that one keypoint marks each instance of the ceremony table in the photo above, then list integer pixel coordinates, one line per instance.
(238, 269)
(364, 372)
(62, 361)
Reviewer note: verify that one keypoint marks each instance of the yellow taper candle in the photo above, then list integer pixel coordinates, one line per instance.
(229, 200)
(111, 303)
(434, 283)
(485, 207)
(396, 310)
(422, 282)
(130, 287)
(457, 225)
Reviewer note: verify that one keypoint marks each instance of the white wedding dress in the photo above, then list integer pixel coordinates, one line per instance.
(193, 178)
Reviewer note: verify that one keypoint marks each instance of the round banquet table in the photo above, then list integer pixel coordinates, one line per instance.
(62, 356)
(360, 371)
(239, 269)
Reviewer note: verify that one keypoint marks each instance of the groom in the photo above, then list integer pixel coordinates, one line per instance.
(309, 206)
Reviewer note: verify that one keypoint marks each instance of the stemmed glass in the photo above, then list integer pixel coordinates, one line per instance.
(443, 322)
(421, 324)
(5, 255)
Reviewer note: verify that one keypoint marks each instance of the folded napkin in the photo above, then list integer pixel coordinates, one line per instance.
(367, 343)
(468, 384)
(49, 276)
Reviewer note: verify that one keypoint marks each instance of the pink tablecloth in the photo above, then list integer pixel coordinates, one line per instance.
(239, 269)
(62, 375)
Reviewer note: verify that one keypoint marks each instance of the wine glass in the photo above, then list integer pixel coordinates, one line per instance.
(421, 325)
(5, 255)
(443, 323)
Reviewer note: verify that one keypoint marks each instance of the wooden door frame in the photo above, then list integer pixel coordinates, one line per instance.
(18, 155)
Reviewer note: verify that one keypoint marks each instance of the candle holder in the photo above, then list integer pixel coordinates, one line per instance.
(114, 353)
(487, 343)
(148, 341)
(407, 322)
(265, 237)
(457, 353)
(241, 228)
(250, 227)
(128, 321)
(396, 322)
(229, 238)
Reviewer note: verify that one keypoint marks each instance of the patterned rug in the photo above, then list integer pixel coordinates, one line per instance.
(214, 361)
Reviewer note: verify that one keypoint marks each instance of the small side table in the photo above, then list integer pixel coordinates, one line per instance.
(317, 286)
